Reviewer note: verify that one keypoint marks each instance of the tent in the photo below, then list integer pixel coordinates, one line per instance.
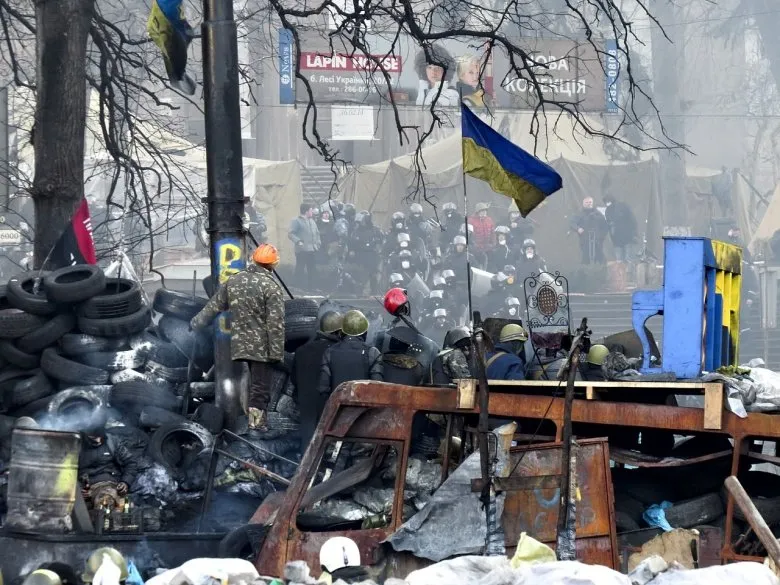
(585, 166)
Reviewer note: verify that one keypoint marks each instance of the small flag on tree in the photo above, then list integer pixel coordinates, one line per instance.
(75, 245)
(171, 32)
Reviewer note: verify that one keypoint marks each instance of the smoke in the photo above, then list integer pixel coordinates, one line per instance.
(77, 419)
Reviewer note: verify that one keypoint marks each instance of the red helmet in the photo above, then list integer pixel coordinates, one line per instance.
(396, 302)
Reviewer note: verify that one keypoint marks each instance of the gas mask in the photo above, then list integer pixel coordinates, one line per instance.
(501, 240)
(404, 244)
(405, 264)
(530, 253)
(512, 311)
(399, 225)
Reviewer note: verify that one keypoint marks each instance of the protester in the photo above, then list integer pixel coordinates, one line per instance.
(256, 305)
(622, 227)
(306, 236)
(340, 561)
(591, 369)
(351, 358)
(499, 256)
(452, 363)
(507, 361)
(530, 262)
(592, 229)
(305, 373)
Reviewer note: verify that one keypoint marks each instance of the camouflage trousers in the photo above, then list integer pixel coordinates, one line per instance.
(260, 379)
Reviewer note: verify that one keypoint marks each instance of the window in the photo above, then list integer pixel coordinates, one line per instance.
(352, 489)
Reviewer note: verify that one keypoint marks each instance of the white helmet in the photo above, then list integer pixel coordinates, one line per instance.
(339, 552)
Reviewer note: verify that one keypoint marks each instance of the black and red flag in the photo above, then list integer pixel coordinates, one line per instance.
(75, 245)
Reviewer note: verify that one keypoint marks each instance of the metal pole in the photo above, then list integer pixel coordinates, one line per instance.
(225, 180)
(5, 162)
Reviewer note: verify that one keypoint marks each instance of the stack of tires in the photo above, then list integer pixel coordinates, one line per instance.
(75, 344)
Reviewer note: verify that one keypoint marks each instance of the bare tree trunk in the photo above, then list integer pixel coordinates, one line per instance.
(60, 116)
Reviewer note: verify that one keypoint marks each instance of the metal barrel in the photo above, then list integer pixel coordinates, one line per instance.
(42, 480)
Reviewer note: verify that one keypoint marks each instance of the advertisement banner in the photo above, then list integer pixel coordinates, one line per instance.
(286, 67)
(342, 75)
(567, 72)
(612, 67)
(352, 123)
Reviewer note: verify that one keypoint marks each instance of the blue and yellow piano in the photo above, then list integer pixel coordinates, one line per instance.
(699, 301)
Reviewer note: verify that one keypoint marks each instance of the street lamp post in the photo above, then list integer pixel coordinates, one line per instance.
(225, 181)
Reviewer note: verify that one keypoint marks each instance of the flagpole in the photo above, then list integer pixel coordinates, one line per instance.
(465, 212)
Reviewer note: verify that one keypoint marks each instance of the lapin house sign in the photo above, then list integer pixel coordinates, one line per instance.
(348, 78)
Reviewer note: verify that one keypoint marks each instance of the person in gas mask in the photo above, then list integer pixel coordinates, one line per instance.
(365, 251)
(351, 358)
(493, 301)
(419, 228)
(451, 220)
(520, 229)
(507, 361)
(530, 262)
(501, 254)
(591, 228)
(455, 259)
(452, 362)
(442, 322)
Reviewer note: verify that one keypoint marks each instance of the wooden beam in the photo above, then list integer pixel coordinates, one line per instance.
(713, 406)
(520, 484)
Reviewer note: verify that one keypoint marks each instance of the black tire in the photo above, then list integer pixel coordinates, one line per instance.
(61, 368)
(16, 357)
(128, 376)
(695, 512)
(197, 346)
(118, 326)
(48, 334)
(74, 284)
(15, 323)
(153, 417)
(173, 375)
(29, 390)
(114, 361)
(624, 522)
(4, 304)
(208, 286)
(133, 396)
(176, 304)
(300, 308)
(120, 297)
(177, 433)
(34, 408)
(167, 354)
(211, 417)
(299, 329)
(81, 399)
(243, 542)
(21, 296)
(279, 422)
(74, 344)
(202, 390)
(7, 424)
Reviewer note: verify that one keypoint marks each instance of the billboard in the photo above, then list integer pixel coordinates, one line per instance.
(566, 71)
(342, 75)
(286, 67)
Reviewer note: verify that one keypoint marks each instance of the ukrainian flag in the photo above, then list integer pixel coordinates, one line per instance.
(506, 167)
(171, 32)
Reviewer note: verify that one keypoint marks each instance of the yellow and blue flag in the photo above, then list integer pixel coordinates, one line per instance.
(171, 32)
(506, 167)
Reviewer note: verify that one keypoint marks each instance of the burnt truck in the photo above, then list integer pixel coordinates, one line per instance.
(392, 468)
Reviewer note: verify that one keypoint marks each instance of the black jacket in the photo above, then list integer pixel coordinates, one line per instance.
(306, 376)
(349, 359)
(622, 223)
(591, 220)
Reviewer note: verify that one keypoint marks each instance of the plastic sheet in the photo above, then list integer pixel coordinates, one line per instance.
(453, 522)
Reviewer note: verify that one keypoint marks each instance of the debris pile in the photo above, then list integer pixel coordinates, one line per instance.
(82, 352)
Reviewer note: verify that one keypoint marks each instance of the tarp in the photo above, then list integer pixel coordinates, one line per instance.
(770, 223)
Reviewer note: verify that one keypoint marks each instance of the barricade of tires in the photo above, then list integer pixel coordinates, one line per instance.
(75, 346)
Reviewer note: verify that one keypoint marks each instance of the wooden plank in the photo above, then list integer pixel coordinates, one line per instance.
(590, 393)
(754, 519)
(691, 387)
(514, 484)
(713, 406)
(467, 393)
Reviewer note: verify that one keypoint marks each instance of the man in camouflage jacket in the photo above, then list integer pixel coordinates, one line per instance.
(256, 304)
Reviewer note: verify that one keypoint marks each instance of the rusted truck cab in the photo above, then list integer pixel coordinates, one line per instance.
(372, 444)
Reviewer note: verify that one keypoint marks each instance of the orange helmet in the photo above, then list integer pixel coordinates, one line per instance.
(266, 254)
